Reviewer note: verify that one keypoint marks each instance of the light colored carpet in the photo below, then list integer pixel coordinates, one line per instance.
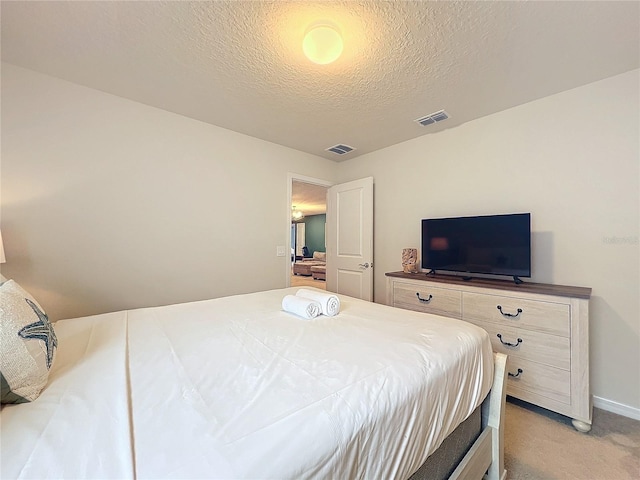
(542, 445)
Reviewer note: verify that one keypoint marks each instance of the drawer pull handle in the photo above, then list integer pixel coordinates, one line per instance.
(508, 344)
(509, 315)
(424, 300)
(515, 375)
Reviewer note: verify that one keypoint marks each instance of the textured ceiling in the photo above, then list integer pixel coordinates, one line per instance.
(239, 64)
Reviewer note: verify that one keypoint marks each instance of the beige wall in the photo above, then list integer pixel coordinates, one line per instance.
(572, 160)
(109, 204)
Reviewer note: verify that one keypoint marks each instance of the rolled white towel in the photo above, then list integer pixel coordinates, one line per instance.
(329, 303)
(303, 307)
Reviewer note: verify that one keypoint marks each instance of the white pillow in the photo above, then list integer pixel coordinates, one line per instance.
(27, 345)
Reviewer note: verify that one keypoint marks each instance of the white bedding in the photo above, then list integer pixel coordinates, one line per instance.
(236, 388)
(79, 426)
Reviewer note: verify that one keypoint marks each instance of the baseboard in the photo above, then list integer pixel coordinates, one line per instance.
(615, 407)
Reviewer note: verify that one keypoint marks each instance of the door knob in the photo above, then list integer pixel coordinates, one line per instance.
(364, 265)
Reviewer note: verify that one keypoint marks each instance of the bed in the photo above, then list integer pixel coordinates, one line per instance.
(237, 388)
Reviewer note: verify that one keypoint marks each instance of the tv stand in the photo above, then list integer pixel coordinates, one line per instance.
(543, 328)
(431, 272)
(517, 280)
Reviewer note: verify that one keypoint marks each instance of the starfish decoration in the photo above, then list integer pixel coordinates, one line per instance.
(41, 330)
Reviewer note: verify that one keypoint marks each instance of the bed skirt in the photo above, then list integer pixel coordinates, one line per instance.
(441, 463)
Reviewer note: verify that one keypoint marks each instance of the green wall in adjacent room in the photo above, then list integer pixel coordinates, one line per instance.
(314, 233)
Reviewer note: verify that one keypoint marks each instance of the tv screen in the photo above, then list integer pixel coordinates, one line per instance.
(490, 244)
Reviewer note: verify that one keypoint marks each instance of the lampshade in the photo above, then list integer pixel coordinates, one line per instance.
(322, 44)
(2, 259)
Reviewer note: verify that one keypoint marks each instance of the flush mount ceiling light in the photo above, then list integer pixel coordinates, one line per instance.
(322, 43)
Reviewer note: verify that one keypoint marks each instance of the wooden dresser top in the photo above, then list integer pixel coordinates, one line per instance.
(528, 287)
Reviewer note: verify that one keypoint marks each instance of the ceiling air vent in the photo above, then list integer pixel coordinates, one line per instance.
(340, 149)
(432, 118)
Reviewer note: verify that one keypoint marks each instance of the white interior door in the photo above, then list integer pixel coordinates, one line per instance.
(350, 238)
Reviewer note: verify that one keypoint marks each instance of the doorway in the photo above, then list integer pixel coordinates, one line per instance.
(307, 231)
(348, 241)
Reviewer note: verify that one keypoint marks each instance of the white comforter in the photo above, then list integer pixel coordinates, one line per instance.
(236, 388)
(79, 426)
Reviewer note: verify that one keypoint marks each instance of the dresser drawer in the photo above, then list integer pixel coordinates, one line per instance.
(424, 298)
(543, 380)
(541, 316)
(543, 348)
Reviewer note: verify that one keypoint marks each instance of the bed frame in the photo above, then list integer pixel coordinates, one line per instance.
(486, 455)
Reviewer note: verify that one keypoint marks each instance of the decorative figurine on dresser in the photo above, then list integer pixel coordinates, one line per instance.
(410, 260)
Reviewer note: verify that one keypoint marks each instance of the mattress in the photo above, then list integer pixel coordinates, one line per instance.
(236, 388)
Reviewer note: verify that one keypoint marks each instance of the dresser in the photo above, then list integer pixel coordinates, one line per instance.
(544, 329)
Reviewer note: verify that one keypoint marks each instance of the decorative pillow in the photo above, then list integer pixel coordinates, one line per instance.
(27, 345)
(321, 256)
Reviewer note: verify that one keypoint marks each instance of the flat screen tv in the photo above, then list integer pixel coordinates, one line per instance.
(489, 244)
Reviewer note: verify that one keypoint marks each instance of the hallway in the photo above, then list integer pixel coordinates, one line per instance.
(302, 281)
